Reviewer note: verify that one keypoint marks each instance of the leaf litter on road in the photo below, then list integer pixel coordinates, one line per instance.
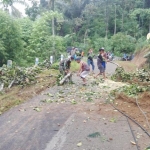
(37, 109)
(94, 135)
(73, 102)
(79, 144)
(47, 101)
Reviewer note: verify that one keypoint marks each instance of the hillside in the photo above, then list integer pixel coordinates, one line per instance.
(139, 59)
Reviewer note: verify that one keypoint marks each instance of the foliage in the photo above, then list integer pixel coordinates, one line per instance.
(132, 90)
(33, 11)
(3, 54)
(122, 43)
(143, 14)
(26, 29)
(102, 42)
(138, 76)
(141, 43)
(10, 38)
(118, 26)
(42, 42)
(18, 76)
(139, 82)
(148, 148)
(55, 66)
(74, 66)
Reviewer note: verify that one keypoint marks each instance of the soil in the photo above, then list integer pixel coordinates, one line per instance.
(139, 59)
(129, 106)
(127, 65)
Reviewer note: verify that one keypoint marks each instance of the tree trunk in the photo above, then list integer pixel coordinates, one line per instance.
(53, 23)
(106, 21)
(68, 76)
(115, 21)
(53, 29)
(122, 21)
(85, 35)
(123, 15)
(149, 26)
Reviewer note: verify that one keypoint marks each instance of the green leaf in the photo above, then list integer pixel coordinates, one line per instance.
(94, 135)
(37, 109)
(73, 102)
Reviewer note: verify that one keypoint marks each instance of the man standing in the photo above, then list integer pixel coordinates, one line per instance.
(104, 56)
(90, 59)
(73, 52)
(100, 64)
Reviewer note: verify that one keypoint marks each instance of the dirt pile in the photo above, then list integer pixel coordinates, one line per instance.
(129, 105)
(139, 59)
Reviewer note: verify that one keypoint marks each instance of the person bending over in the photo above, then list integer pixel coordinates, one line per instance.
(64, 66)
(84, 69)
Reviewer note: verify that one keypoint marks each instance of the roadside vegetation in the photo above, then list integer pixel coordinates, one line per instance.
(134, 98)
(19, 84)
(18, 94)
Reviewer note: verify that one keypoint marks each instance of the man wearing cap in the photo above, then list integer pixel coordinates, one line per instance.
(84, 69)
(100, 64)
(104, 56)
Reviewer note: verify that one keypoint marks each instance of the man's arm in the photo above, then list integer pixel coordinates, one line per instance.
(80, 70)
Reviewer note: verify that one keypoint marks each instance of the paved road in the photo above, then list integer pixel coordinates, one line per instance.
(110, 67)
(62, 124)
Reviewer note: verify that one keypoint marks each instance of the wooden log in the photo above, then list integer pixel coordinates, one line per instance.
(12, 82)
(65, 78)
(1, 86)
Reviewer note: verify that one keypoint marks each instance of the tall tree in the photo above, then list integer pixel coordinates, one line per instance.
(33, 11)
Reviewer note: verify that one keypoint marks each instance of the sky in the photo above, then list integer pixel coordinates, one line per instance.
(21, 7)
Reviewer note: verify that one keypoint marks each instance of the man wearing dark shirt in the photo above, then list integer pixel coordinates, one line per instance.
(90, 59)
(99, 64)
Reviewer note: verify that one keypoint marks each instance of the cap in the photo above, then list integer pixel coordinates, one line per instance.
(102, 48)
(78, 58)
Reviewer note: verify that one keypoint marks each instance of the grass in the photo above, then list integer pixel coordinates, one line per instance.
(17, 95)
(74, 66)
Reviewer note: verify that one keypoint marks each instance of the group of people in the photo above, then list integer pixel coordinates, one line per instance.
(84, 69)
(127, 57)
(76, 52)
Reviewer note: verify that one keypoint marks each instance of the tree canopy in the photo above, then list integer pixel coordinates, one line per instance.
(51, 26)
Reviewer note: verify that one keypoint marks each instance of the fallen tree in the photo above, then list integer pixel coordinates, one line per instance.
(18, 76)
(65, 78)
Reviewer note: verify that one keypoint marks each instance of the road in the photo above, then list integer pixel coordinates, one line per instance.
(65, 118)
